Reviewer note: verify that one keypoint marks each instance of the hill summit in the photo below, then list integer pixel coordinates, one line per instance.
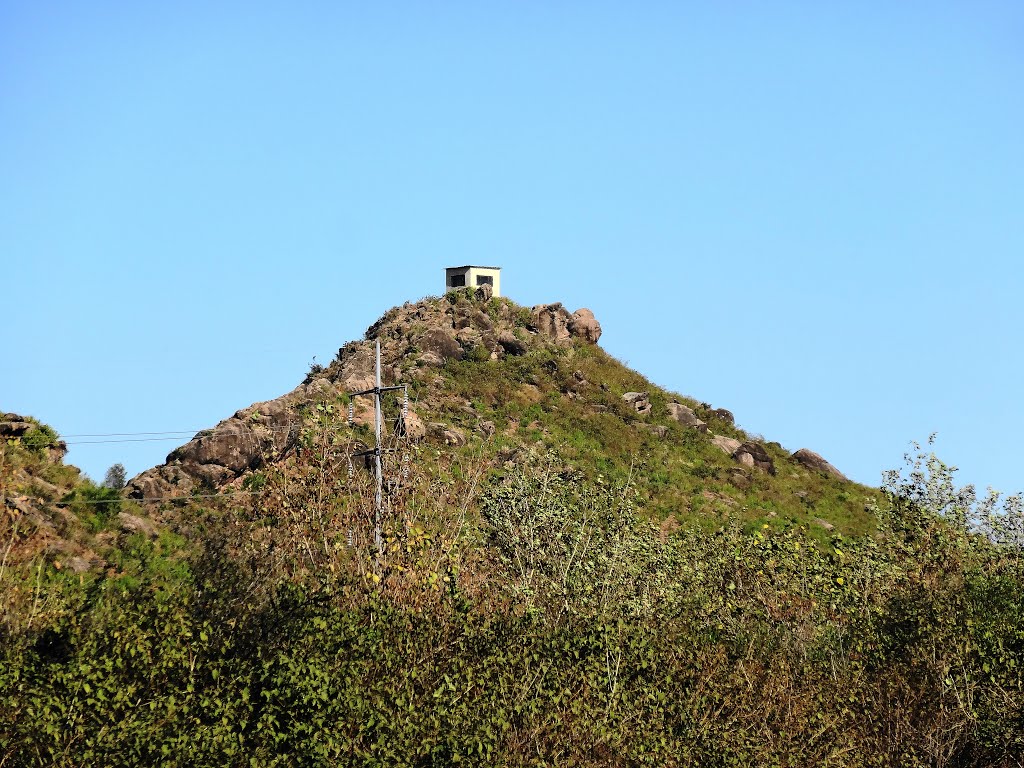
(568, 566)
(490, 376)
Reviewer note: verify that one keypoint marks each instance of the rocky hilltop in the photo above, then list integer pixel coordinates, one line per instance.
(416, 339)
(486, 370)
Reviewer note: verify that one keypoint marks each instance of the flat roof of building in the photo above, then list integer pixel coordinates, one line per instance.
(473, 266)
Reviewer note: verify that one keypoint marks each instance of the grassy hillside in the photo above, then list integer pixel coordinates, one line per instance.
(565, 580)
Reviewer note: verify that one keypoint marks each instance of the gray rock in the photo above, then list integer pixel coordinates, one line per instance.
(441, 343)
(322, 389)
(639, 400)
(815, 461)
(474, 318)
(410, 426)
(726, 444)
(512, 345)
(552, 321)
(232, 444)
(740, 479)
(431, 359)
(12, 425)
(356, 367)
(753, 454)
(686, 416)
(78, 564)
(584, 325)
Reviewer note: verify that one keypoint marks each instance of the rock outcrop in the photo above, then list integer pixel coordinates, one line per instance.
(640, 401)
(815, 461)
(554, 322)
(257, 435)
(584, 325)
(13, 426)
(415, 340)
(728, 445)
(441, 344)
(686, 416)
(753, 454)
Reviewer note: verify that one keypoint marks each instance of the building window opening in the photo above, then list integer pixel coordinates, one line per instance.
(485, 280)
(457, 281)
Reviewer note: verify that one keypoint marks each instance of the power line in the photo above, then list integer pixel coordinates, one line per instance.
(167, 432)
(176, 435)
(126, 440)
(132, 434)
(184, 497)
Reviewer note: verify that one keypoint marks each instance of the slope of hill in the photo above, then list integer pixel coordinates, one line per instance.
(579, 568)
(50, 510)
(492, 379)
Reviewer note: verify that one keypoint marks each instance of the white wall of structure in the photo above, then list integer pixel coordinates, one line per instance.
(471, 276)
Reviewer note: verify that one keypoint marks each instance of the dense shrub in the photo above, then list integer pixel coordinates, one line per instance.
(577, 634)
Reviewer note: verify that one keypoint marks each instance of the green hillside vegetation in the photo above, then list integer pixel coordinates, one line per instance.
(562, 583)
(682, 476)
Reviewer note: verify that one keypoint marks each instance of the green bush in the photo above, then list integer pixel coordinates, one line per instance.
(575, 632)
(39, 438)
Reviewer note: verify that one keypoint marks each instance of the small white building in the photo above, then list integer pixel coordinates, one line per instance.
(472, 276)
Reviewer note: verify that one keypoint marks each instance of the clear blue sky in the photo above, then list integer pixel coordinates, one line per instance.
(809, 213)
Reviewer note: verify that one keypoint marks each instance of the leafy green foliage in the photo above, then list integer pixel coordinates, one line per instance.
(40, 437)
(575, 632)
(633, 598)
(571, 397)
(95, 505)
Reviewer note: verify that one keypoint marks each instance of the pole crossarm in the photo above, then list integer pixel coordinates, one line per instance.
(378, 390)
(374, 452)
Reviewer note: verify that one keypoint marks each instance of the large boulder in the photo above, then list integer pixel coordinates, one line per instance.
(12, 425)
(474, 318)
(510, 344)
(552, 321)
(356, 362)
(639, 400)
(686, 416)
(753, 454)
(441, 343)
(161, 482)
(726, 444)
(135, 524)
(584, 325)
(254, 436)
(232, 445)
(815, 461)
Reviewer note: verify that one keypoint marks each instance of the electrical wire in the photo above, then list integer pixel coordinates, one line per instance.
(177, 435)
(183, 497)
(168, 432)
